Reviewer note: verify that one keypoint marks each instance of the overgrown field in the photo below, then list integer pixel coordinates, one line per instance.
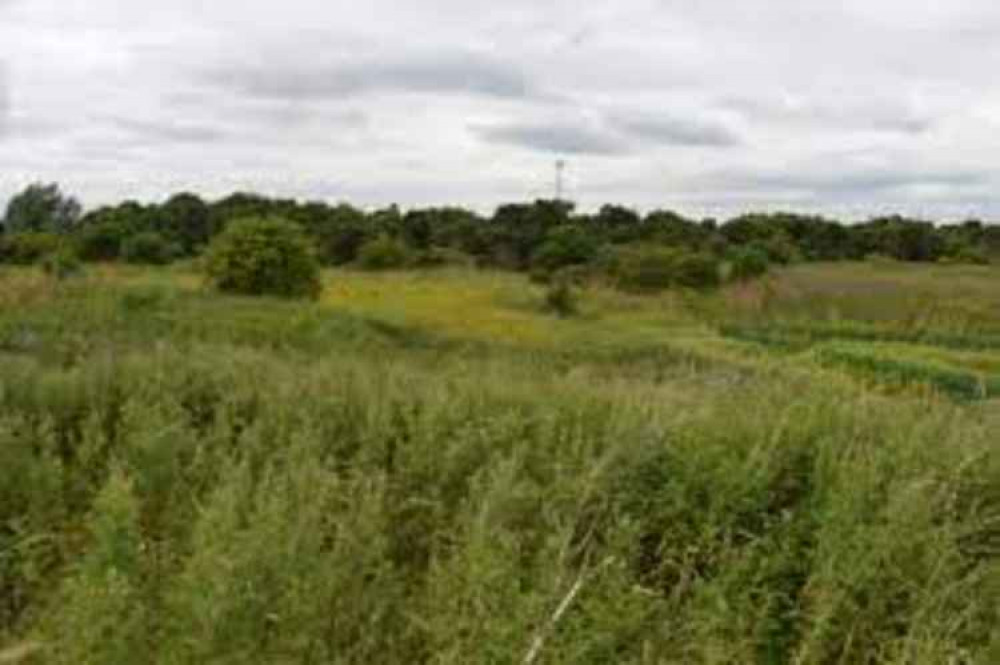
(431, 468)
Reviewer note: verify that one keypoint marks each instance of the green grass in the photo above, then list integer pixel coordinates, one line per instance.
(423, 468)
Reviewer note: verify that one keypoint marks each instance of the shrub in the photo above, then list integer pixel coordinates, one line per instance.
(747, 263)
(565, 246)
(696, 270)
(560, 299)
(644, 270)
(439, 257)
(653, 269)
(264, 256)
(62, 263)
(29, 247)
(99, 242)
(967, 255)
(149, 248)
(383, 253)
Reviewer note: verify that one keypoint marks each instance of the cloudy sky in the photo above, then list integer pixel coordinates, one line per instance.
(710, 107)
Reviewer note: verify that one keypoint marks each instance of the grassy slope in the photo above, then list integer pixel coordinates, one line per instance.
(422, 468)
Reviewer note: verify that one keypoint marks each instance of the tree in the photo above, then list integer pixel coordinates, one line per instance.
(264, 256)
(186, 220)
(149, 248)
(42, 207)
(339, 231)
(383, 253)
(565, 246)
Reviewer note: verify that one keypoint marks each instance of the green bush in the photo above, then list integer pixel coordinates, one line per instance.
(696, 270)
(149, 248)
(967, 255)
(560, 299)
(747, 263)
(565, 246)
(264, 256)
(62, 263)
(644, 269)
(28, 247)
(440, 257)
(383, 253)
(654, 269)
(99, 242)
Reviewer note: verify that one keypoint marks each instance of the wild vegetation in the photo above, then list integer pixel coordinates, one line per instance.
(544, 237)
(466, 465)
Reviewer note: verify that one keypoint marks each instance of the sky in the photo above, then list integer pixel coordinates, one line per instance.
(709, 107)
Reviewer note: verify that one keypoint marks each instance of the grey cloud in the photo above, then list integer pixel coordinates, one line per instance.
(678, 131)
(4, 100)
(169, 132)
(448, 73)
(556, 137)
(852, 181)
(837, 111)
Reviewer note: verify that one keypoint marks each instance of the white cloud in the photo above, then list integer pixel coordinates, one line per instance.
(707, 105)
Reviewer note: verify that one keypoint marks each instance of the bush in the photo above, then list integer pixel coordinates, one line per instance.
(747, 263)
(383, 253)
(99, 242)
(149, 248)
(62, 263)
(565, 246)
(654, 269)
(644, 270)
(967, 255)
(264, 256)
(439, 257)
(29, 247)
(696, 270)
(560, 298)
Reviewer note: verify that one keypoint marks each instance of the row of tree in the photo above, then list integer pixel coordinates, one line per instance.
(545, 234)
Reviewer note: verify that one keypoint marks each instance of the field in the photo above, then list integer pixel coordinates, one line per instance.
(429, 467)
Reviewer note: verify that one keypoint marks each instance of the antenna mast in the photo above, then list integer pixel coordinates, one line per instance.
(560, 168)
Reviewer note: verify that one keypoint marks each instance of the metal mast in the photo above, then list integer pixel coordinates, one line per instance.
(560, 168)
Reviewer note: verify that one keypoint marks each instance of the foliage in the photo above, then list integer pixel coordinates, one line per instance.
(257, 480)
(186, 221)
(264, 256)
(383, 253)
(696, 270)
(747, 263)
(652, 269)
(565, 246)
(560, 298)
(28, 247)
(41, 208)
(62, 263)
(149, 248)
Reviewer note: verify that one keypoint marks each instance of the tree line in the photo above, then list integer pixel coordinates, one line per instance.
(543, 236)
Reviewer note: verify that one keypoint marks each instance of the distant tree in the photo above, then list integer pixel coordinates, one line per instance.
(669, 228)
(383, 253)
(565, 245)
(518, 229)
(186, 220)
(42, 207)
(149, 248)
(339, 231)
(617, 224)
(240, 205)
(747, 263)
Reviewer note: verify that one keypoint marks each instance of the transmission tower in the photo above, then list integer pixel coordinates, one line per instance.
(560, 169)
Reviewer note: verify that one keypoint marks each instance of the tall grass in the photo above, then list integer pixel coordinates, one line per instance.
(211, 480)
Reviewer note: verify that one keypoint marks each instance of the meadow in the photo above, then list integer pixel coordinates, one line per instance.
(430, 467)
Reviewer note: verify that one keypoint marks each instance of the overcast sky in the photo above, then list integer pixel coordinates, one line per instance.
(710, 107)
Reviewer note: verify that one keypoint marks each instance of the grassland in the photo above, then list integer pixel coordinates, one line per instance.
(429, 468)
